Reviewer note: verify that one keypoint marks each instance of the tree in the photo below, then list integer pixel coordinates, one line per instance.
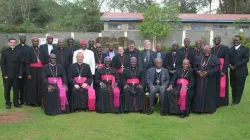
(157, 21)
(234, 6)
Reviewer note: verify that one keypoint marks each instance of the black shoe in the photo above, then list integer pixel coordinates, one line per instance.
(233, 104)
(18, 106)
(118, 113)
(183, 115)
(150, 111)
(125, 112)
(8, 106)
(20, 102)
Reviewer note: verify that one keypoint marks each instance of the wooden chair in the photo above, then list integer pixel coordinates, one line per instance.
(157, 96)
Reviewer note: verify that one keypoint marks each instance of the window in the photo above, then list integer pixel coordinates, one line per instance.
(242, 27)
(132, 26)
(220, 26)
(198, 27)
(114, 26)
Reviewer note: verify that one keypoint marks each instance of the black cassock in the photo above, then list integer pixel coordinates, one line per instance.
(33, 92)
(63, 57)
(118, 62)
(173, 61)
(11, 66)
(205, 95)
(79, 97)
(22, 82)
(188, 53)
(133, 98)
(199, 52)
(105, 96)
(52, 101)
(222, 52)
(71, 51)
(172, 96)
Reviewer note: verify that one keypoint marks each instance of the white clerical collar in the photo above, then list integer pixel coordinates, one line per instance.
(237, 47)
(158, 70)
(79, 63)
(23, 44)
(107, 68)
(52, 64)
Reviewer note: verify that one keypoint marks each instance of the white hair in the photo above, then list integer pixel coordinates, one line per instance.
(158, 59)
(146, 41)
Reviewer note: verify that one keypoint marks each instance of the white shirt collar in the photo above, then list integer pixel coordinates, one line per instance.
(237, 47)
(52, 64)
(158, 70)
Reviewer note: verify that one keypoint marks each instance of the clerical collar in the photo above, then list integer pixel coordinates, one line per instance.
(61, 48)
(107, 68)
(22, 44)
(237, 47)
(79, 63)
(158, 70)
(12, 49)
(133, 68)
(52, 64)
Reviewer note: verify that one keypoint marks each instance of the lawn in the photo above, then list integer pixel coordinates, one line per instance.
(227, 123)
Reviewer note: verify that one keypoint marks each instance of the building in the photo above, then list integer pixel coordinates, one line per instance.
(193, 26)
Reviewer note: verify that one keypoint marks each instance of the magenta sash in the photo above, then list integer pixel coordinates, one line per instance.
(62, 90)
(100, 65)
(115, 90)
(39, 64)
(183, 93)
(91, 92)
(119, 70)
(133, 81)
(222, 80)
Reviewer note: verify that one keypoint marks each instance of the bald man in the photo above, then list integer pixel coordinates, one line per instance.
(80, 78)
(63, 55)
(48, 47)
(35, 59)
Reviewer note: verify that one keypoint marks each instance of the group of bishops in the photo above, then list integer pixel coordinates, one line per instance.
(63, 79)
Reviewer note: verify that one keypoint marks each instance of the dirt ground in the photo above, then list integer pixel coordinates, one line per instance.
(13, 117)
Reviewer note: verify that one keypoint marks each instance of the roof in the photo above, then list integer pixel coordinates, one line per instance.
(221, 18)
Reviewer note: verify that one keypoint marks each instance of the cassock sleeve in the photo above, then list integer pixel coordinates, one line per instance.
(140, 60)
(245, 59)
(173, 79)
(117, 77)
(89, 76)
(98, 77)
(149, 82)
(226, 61)
(191, 80)
(113, 63)
(166, 62)
(64, 76)
(71, 75)
(21, 64)
(214, 67)
(125, 76)
(44, 76)
(3, 63)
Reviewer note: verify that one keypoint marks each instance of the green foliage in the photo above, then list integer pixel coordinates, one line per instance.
(154, 23)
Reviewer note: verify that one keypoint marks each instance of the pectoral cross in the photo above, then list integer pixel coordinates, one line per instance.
(107, 79)
(174, 65)
(133, 83)
(79, 77)
(145, 59)
(181, 81)
(158, 82)
(122, 67)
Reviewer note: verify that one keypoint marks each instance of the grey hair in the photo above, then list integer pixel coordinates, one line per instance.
(146, 41)
(175, 43)
(158, 59)
(79, 53)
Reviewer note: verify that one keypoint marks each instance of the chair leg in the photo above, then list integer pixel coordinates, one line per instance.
(42, 106)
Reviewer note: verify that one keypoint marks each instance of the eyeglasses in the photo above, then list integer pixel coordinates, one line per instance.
(50, 38)
(52, 58)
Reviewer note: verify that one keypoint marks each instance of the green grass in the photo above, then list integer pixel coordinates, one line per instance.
(227, 123)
